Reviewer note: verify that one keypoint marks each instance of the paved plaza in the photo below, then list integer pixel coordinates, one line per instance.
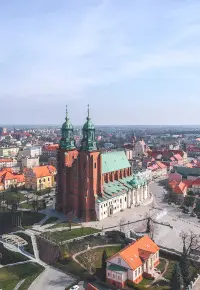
(164, 235)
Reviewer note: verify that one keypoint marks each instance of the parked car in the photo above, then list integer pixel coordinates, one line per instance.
(75, 287)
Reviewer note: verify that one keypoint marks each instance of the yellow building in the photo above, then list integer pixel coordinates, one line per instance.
(40, 177)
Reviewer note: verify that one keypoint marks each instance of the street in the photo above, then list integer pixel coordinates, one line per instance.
(52, 279)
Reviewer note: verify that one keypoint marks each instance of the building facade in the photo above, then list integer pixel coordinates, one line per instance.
(133, 263)
(40, 178)
(90, 184)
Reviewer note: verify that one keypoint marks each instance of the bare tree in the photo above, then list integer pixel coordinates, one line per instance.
(190, 241)
(89, 260)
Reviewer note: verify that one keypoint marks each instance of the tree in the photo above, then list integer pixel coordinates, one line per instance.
(89, 260)
(191, 243)
(103, 264)
(177, 279)
(184, 267)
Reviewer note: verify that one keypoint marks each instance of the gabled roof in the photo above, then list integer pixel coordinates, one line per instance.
(196, 182)
(178, 157)
(113, 161)
(161, 165)
(42, 171)
(137, 252)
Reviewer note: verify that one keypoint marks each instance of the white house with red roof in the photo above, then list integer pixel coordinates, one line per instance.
(132, 263)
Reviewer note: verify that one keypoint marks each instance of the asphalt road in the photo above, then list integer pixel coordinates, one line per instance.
(52, 279)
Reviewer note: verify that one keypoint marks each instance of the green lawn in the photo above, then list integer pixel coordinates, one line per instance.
(64, 224)
(65, 235)
(161, 266)
(9, 257)
(26, 205)
(29, 247)
(97, 254)
(170, 267)
(10, 276)
(50, 220)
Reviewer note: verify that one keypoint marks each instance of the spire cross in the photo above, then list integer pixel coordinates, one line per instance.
(66, 112)
(88, 110)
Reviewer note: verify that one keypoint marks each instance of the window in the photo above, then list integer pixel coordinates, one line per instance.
(119, 277)
(120, 200)
(104, 212)
(125, 198)
(139, 271)
(40, 180)
(48, 179)
(119, 261)
(44, 179)
(135, 273)
(95, 165)
(101, 206)
(108, 274)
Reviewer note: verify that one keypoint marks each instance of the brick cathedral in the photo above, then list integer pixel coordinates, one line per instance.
(90, 184)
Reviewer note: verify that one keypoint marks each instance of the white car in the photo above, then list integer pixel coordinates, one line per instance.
(75, 287)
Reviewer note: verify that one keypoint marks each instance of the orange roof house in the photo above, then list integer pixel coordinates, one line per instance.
(8, 179)
(40, 177)
(132, 263)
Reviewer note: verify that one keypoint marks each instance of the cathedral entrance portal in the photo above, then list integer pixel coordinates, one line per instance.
(110, 210)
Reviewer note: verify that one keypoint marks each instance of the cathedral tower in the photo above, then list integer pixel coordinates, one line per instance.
(67, 190)
(90, 172)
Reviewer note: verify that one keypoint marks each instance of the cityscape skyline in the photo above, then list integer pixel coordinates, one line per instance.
(135, 63)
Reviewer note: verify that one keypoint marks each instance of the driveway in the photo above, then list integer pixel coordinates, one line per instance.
(52, 279)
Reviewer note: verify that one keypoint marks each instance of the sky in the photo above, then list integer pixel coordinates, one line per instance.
(136, 62)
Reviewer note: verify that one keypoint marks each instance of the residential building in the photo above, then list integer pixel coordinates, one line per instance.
(9, 179)
(29, 162)
(158, 169)
(30, 152)
(7, 152)
(50, 150)
(40, 177)
(92, 184)
(133, 263)
(8, 162)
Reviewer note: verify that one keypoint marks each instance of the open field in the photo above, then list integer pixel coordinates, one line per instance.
(9, 257)
(65, 235)
(10, 276)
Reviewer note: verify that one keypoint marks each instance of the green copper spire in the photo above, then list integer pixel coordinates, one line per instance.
(67, 140)
(88, 142)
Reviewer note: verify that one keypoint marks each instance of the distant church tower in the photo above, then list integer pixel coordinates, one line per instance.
(79, 177)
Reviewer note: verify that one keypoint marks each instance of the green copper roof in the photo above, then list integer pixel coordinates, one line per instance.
(113, 161)
(88, 125)
(67, 141)
(116, 268)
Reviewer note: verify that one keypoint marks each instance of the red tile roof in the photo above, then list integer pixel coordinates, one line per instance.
(134, 254)
(196, 182)
(45, 170)
(178, 157)
(5, 160)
